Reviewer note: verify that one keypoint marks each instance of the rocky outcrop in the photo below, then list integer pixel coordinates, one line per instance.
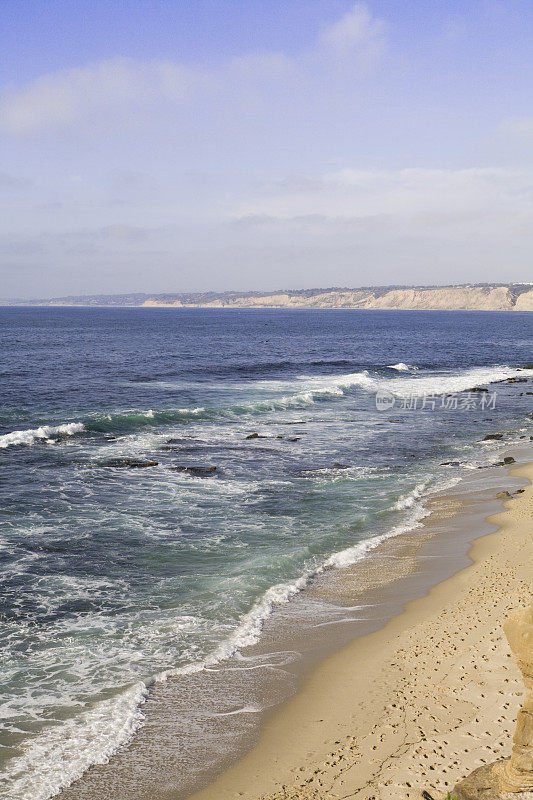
(513, 775)
(516, 775)
(524, 302)
(453, 298)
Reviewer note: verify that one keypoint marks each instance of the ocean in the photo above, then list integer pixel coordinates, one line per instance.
(171, 478)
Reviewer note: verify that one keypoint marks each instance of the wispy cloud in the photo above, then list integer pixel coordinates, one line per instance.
(520, 128)
(117, 85)
(359, 33)
(8, 181)
(491, 200)
(129, 90)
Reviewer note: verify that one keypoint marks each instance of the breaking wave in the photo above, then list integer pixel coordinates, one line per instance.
(278, 396)
(31, 435)
(401, 367)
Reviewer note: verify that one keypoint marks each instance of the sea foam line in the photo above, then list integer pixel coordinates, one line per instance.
(306, 390)
(60, 755)
(419, 385)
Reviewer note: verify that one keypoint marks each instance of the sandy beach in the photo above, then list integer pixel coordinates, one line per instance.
(414, 706)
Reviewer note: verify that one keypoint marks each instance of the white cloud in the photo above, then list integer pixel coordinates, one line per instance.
(490, 200)
(117, 84)
(357, 31)
(518, 128)
(129, 89)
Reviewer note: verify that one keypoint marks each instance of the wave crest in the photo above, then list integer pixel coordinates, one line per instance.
(31, 435)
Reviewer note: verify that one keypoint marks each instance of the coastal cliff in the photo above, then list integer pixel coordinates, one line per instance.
(482, 298)
(467, 297)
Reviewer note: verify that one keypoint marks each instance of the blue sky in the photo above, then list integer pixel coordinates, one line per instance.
(185, 146)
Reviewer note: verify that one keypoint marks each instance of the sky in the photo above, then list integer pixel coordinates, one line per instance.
(194, 145)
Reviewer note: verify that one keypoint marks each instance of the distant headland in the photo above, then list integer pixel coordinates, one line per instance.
(464, 297)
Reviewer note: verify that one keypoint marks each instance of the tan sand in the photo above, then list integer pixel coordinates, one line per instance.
(416, 705)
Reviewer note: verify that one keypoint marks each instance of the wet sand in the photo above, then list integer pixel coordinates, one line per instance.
(415, 705)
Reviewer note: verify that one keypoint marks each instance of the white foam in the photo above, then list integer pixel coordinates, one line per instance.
(249, 629)
(44, 432)
(351, 555)
(446, 383)
(401, 367)
(62, 753)
(408, 501)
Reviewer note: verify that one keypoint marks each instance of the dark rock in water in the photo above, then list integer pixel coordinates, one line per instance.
(492, 436)
(478, 389)
(503, 496)
(279, 436)
(336, 465)
(519, 491)
(528, 366)
(198, 471)
(296, 439)
(128, 463)
(508, 460)
(256, 436)
(450, 464)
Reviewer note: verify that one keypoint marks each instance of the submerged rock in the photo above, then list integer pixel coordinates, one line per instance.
(492, 436)
(197, 471)
(503, 496)
(128, 463)
(508, 460)
(256, 436)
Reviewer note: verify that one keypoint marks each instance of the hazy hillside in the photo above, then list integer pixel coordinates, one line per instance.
(486, 297)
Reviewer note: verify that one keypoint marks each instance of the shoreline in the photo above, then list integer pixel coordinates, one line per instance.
(403, 567)
(393, 708)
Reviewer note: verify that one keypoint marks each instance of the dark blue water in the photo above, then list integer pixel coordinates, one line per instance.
(114, 572)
